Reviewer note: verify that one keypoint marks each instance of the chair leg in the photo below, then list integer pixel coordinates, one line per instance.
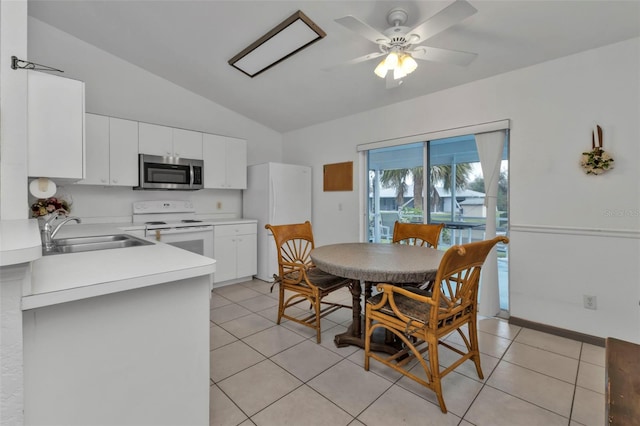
(475, 347)
(280, 303)
(367, 338)
(435, 373)
(317, 308)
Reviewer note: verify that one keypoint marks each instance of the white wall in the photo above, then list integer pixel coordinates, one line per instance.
(553, 107)
(13, 107)
(13, 201)
(117, 88)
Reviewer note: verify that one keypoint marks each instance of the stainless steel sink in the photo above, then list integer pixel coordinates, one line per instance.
(93, 243)
(92, 239)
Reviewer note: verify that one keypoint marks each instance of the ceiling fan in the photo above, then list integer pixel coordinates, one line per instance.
(402, 45)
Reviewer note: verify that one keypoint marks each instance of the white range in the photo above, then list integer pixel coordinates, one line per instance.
(175, 223)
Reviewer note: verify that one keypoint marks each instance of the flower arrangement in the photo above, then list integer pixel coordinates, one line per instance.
(43, 207)
(596, 161)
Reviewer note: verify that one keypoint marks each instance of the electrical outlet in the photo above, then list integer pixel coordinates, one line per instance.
(219, 205)
(590, 302)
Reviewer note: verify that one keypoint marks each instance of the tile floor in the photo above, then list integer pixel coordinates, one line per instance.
(265, 374)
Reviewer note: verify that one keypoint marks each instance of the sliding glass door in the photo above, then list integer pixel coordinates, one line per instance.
(454, 192)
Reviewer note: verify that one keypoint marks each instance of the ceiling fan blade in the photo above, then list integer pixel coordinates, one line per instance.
(366, 31)
(436, 54)
(354, 61)
(364, 58)
(447, 17)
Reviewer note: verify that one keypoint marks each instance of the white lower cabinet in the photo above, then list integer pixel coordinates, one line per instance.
(235, 250)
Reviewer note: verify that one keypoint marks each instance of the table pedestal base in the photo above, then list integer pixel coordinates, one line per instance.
(353, 335)
(381, 341)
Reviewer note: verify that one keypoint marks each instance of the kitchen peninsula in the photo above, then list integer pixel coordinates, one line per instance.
(116, 336)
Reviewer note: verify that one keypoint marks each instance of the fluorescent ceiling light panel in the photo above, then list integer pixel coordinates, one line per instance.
(292, 35)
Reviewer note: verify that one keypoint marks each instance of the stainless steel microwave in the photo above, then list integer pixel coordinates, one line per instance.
(158, 172)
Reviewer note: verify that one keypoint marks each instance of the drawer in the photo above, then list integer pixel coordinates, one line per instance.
(236, 229)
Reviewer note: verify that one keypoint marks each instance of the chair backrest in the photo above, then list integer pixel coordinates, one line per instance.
(418, 234)
(294, 243)
(455, 291)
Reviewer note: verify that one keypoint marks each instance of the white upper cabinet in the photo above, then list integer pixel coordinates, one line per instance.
(225, 162)
(55, 127)
(187, 144)
(168, 141)
(123, 152)
(97, 147)
(112, 151)
(155, 140)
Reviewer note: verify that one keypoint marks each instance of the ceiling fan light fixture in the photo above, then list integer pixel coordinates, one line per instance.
(400, 65)
(381, 69)
(398, 73)
(408, 64)
(392, 60)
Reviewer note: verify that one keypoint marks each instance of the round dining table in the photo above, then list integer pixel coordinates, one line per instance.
(372, 263)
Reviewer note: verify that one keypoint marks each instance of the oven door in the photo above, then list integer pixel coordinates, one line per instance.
(196, 239)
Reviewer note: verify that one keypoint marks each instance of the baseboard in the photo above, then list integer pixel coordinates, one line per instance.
(229, 282)
(556, 331)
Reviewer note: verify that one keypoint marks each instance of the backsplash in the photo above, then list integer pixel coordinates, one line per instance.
(96, 204)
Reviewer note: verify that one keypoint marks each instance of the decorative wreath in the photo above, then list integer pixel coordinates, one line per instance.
(596, 161)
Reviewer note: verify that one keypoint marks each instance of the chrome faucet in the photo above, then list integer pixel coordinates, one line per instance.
(48, 231)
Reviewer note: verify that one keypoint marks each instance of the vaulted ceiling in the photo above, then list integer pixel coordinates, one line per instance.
(190, 42)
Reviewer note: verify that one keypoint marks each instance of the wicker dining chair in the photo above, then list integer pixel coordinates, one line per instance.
(419, 234)
(421, 323)
(299, 279)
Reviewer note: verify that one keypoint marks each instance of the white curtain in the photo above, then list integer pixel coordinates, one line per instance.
(490, 146)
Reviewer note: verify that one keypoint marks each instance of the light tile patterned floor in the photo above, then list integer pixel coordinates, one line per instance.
(264, 374)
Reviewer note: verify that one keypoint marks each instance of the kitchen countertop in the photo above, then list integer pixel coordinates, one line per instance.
(19, 241)
(66, 277)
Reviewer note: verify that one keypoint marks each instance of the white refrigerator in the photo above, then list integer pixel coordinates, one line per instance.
(276, 194)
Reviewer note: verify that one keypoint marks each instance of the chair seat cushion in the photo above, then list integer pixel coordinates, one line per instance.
(414, 309)
(319, 278)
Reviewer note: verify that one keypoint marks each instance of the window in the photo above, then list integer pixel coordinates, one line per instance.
(452, 192)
